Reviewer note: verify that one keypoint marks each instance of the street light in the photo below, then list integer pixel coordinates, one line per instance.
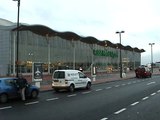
(120, 56)
(151, 44)
(17, 59)
(49, 55)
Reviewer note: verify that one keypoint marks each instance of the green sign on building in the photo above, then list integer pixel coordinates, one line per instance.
(105, 53)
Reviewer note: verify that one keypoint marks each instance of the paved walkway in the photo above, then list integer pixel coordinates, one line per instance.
(100, 78)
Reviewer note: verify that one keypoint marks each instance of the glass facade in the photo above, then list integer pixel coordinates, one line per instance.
(56, 53)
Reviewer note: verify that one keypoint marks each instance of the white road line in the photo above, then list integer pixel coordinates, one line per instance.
(116, 86)
(153, 94)
(134, 82)
(86, 92)
(8, 107)
(31, 103)
(123, 84)
(135, 103)
(145, 98)
(158, 91)
(104, 119)
(71, 95)
(108, 87)
(98, 90)
(151, 83)
(129, 83)
(51, 99)
(120, 111)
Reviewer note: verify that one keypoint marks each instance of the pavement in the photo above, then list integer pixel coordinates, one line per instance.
(101, 77)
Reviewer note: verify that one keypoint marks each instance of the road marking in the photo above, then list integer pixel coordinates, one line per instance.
(86, 92)
(123, 84)
(108, 87)
(104, 119)
(51, 99)
(158, 91)
(116, 86)
(120, 111)
(153, 94)
(134, 82)
(71, 95)
(135, 103)
(151, 83)
(31, 103)
(98, 90)
(145, 98)
(8, 107)
(129, 83)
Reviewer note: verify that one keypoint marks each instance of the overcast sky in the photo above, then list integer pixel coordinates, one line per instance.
(140, 19)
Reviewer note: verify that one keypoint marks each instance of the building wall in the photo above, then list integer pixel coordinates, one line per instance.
(58, 52)
(5, 49)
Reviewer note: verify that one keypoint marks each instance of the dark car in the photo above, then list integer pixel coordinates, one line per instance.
(8, 90)
(143, 72)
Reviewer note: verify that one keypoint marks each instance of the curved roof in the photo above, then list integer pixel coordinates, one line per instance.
(69, 35)
(89, 40)
(4, 22)
(46, 31)
(38, 29)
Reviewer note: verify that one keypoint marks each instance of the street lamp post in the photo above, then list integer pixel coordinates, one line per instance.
(17, 59)
(74, 54)
(49, 52)
(120, 55)
(151, 44)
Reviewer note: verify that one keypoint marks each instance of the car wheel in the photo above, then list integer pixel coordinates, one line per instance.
(3, 98)
(88, 85)
(71, 88)
(34, 94)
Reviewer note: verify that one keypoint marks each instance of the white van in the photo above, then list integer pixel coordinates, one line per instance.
(70, 79)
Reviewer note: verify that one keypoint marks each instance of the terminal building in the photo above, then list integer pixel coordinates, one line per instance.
(59, 50)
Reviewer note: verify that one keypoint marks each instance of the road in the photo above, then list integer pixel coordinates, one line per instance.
(132, 99)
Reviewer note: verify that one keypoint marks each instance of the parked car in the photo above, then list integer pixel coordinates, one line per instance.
(70, 80)
(143, 72)
(8, 90)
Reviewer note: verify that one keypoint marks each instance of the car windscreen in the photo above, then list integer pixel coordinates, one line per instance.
(59, 74)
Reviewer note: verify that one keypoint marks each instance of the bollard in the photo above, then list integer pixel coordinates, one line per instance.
(38, 84)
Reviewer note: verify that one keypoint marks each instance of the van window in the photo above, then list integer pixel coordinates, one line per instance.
(81, 75)
(59, 74)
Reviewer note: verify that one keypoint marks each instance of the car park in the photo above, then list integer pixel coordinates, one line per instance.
(143, 72)
(8, 90)
(70, 80)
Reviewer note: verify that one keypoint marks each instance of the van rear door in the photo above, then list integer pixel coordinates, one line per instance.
(59, 78)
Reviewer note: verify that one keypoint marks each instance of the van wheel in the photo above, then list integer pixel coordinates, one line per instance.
(88, 86)
(3, 98)
(71, 88)
(56, 89)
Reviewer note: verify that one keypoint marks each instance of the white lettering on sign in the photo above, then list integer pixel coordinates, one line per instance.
(72, 74)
